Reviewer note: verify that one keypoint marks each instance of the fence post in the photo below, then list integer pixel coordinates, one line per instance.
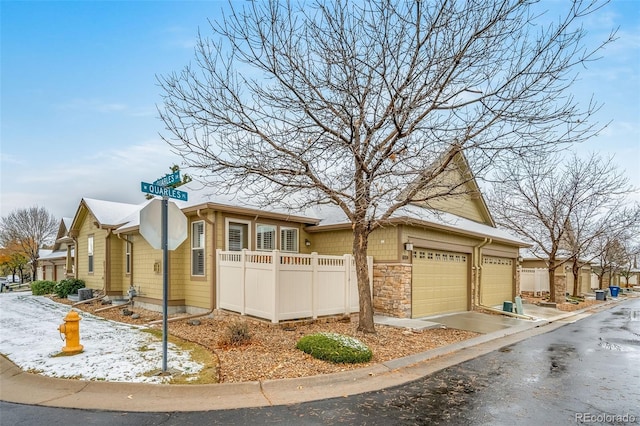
(218, 255)
(276, 286)
(243, 266)
(347, 284)
(314, 285)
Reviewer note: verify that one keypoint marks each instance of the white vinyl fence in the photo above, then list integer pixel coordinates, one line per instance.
(281, 286)
(536, 280)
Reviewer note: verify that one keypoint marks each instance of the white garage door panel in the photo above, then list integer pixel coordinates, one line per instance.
(497, 280)
(439, 282)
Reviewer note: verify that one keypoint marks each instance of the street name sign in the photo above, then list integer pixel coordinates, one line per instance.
(163, 191)
(168, 180)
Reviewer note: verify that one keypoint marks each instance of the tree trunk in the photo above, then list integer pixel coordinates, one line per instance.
(360, 243)
(552, 280)
(576, 277)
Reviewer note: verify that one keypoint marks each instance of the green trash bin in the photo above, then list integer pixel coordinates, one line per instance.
(507, 306)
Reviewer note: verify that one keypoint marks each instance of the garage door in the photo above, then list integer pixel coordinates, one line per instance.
(439, 282)
(497, 280)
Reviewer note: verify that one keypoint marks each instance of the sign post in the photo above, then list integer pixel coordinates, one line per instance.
(162, 187)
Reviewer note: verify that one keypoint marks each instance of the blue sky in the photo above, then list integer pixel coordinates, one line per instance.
(79, 95)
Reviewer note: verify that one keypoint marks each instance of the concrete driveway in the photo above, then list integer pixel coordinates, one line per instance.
(474, 321)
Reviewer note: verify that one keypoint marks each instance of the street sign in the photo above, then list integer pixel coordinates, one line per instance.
(152, 188)
(151, 225)
(169, 179)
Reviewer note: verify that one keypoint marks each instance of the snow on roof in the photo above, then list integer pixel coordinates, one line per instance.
(53, 254)
(333, 215)
(200, 195)
(111, 212)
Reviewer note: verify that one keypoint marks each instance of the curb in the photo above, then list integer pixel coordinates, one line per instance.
(33, 389)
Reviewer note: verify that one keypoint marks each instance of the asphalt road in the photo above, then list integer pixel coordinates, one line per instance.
(585, 372)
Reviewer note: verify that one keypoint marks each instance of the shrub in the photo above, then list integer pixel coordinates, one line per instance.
(237, 334)
(335, 348)
(68, 286)
(42, 287)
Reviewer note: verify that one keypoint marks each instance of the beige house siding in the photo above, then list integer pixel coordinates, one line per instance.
(384, 243)
(95, 279)
(147, 269)
(117, 281)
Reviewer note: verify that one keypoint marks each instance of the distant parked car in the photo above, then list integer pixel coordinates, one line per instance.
(13, 279)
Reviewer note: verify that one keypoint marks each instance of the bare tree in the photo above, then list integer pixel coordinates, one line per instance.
(365, 104)
(595, 223)
(561, 207)
(29, 229)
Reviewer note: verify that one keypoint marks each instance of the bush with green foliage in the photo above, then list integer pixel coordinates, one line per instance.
(335, 347)
(42, 287)
(68, 286)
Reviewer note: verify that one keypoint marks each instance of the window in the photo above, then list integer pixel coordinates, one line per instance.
(237, 235)
(265, 237)
(90, 252)
(289, 239)
(197, 248)
(127, 256)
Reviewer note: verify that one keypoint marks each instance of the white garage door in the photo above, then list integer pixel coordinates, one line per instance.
(439, 283)
(497, 280)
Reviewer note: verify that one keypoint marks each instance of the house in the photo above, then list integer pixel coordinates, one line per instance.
(427, 259)
(112, 256)
(536, 264)
(57, 264)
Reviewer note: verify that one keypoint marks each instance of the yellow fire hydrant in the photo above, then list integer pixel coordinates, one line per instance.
(71, 331)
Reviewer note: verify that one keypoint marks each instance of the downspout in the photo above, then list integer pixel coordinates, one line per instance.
(477, 267)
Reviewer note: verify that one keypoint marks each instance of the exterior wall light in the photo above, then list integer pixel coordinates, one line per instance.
(408, 246)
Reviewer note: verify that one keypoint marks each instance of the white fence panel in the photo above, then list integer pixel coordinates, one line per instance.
(595, 282)
(281, 286)
(230, 281)
(535, 280)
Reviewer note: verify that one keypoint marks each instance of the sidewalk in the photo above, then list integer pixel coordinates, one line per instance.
(33, 389)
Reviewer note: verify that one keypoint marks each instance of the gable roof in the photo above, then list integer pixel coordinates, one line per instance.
(108, 214)
(454, 189)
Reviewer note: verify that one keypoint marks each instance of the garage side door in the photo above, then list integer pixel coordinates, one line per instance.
(497, 280)
(439, 282)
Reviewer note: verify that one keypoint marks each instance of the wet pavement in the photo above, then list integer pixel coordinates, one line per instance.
(585, 371)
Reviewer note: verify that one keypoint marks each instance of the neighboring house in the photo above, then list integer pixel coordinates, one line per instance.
(425, 261)
(57, 264)
(532, 261)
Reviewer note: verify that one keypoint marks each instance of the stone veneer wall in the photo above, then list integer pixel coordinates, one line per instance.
(392, 289)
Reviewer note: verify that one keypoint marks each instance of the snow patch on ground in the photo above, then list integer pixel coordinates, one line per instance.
(113, 351)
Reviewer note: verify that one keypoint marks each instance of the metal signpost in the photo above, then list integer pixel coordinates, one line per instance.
(161, 187)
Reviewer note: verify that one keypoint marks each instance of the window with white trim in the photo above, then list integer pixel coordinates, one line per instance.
(197, 248)
(289, 239)
(90, 252)
(265, 237)
(237, 235)
(127, 255)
